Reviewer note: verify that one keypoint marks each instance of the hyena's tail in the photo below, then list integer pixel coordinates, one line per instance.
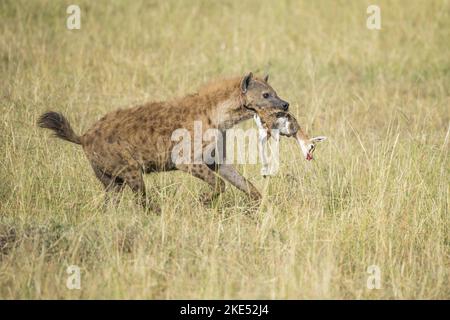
(58, 123)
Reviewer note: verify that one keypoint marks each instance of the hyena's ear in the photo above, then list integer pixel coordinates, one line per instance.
(246, 82)
(318, 139)
(266, 78)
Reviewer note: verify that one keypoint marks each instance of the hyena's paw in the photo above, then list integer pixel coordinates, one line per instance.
(207, 198)
(255, 197)
(252, 208)
(151, 207)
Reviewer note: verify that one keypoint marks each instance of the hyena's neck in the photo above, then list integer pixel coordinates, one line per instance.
(231, 110)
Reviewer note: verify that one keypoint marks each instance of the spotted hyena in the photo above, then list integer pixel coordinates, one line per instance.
(126, 143)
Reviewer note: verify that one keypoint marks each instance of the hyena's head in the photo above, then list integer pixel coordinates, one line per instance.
(258, 94)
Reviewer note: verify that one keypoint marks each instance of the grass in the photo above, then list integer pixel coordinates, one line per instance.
(377, 194)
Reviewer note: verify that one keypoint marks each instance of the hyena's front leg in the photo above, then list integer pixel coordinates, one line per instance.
(230, 174)
(202, 171)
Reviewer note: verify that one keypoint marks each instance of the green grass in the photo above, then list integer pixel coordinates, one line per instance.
(377, 194)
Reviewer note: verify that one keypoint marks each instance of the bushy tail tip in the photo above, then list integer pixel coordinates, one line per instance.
(60, 125)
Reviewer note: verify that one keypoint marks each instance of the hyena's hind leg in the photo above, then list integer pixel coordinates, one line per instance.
(112, 185)
(133, 177)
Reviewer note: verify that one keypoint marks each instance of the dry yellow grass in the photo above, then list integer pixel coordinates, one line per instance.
(378, 193)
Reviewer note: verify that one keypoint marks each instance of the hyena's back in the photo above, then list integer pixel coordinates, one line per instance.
(139, 136)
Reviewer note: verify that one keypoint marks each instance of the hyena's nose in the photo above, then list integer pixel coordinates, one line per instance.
(285, 106)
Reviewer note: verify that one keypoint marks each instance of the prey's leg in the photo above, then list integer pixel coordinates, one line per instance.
(262, 144)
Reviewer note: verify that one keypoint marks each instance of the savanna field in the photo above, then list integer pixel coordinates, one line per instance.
(377, 193)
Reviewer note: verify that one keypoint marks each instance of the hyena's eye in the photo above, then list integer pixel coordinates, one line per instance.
(266, 95)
